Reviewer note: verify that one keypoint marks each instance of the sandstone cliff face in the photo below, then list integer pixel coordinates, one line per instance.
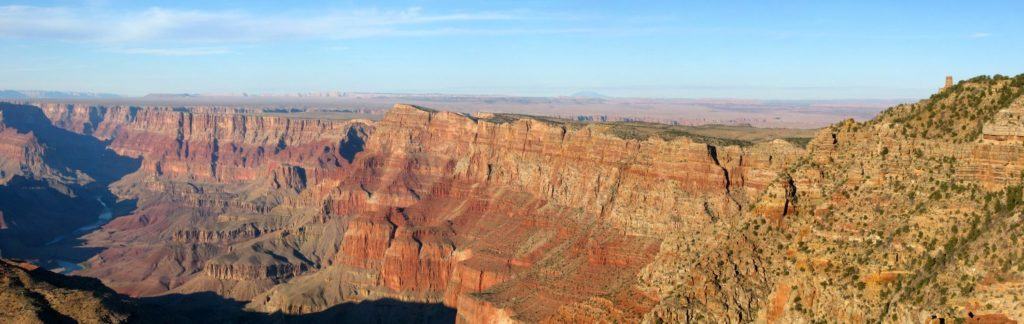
(438, 207)
(208, 144)
(479, 213)
(996, 162)
(21, 152)
(207, 175)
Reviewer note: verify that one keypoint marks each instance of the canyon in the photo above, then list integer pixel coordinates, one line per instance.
(501, 218)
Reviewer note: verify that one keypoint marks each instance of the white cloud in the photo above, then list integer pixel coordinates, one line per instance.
(980, 35)
(197, 26)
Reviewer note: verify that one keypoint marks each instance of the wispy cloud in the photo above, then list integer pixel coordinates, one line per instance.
(181, 51)
(980, 35)
(173, 25)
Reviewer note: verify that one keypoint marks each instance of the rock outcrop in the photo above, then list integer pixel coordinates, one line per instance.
(29, 294)
(903, 218)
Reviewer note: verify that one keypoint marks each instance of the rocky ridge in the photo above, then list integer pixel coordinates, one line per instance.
(32, 295)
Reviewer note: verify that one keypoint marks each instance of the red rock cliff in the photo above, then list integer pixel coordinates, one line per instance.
(503, 217)
(492, 211)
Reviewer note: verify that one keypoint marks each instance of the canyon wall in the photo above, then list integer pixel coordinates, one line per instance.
(476, 213)
(51, 180)
(508, 218)
(523, 217)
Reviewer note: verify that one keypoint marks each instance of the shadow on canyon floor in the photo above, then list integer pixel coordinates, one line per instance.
(47, 210)
(207, 307)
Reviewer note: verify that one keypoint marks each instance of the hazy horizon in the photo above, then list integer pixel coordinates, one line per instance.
(745, 50)
(315, 95)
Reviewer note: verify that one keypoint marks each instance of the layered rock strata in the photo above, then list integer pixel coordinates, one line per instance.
(436, 207)
(507, 218)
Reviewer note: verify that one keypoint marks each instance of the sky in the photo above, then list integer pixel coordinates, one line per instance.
(673, 49)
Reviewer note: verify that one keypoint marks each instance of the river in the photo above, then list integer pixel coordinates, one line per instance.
(67, 267)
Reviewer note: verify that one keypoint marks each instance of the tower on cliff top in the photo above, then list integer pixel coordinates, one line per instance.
(949, 82)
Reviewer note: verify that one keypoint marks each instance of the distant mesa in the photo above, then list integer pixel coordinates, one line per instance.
(589, 94)
(326, 94)
(43, 94)
(171, 95)
(11, 94)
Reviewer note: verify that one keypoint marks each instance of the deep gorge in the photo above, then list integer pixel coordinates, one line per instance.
(491, 218)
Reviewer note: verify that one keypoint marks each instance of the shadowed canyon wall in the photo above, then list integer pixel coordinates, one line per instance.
(52, 180)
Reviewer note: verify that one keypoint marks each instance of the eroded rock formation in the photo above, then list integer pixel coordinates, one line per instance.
(437, 207)
(508, 218)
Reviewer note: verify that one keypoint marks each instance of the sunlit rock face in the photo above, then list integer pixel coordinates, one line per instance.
(480, 213)
(297, 215)
(998, 160)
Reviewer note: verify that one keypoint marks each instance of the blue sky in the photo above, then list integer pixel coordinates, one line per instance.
(690, 49)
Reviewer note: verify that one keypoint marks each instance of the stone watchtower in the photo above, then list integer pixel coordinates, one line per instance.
(949, 82)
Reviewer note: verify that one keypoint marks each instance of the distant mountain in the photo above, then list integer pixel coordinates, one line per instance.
(171, 95)
(45, 94)
(588, 94)
(11, 94)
